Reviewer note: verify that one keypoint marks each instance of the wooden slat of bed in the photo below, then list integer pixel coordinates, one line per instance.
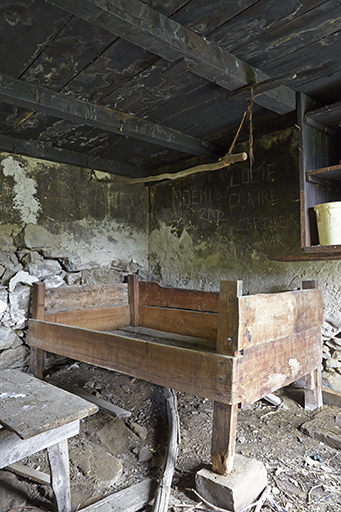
(179, 321)
(152, 294)
(104, 319)
(167, 338)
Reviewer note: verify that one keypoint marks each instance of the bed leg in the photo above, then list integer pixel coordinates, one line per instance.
(37, 362)
(223, 437)
(313, 390)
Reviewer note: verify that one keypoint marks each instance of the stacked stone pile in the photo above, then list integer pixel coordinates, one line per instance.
(29, 254)
(331, 351)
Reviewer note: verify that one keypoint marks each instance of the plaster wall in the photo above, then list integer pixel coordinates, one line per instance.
(97, 220)
(64, 226)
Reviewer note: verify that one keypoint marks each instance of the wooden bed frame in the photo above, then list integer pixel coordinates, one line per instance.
(230, 348)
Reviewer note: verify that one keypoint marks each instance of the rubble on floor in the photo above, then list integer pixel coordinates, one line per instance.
(111, 454)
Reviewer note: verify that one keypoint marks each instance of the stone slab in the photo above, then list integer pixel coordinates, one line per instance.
(325, 427)
(234, 491)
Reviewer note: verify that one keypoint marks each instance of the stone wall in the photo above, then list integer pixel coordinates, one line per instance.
(64, 226)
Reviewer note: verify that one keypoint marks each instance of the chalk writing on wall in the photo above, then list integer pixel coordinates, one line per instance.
(251, 207)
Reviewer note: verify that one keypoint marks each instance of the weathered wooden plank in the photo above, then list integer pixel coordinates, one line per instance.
(191, 371)
(102, 319)
(58, 456)
(133, 293)
(313, 390)
(227, 333)
(102, 404)
(117, 65)
(37, 362)
(266, 317)
(225, 415)
(152, 294)
(85, 297)
(12, 448)
(38, 301)
(168, 39)
(131, 499)
(151, 88)
(19, 93)
(162, 494)
(223, 437)
(168, 338)
(271, 366)
(75, 45)
(314, 25)
(328, 115)
(29, 406)
(34, 25)
(27, 472)
(179, 321)
(37, 356)
(196, 16)
(260, 17)
(331, 397)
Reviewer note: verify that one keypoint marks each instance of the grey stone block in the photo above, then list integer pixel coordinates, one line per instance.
(234, 491)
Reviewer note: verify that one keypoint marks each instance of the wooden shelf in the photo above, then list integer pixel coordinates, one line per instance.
(329, 173)
(320, 178)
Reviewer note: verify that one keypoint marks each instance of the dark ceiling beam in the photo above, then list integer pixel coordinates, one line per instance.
(22, 94)
(43, 152)
(141, 25)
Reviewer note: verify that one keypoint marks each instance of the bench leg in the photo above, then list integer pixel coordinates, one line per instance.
(313, 390)
(58, 455)
(223, 437)
(37, 362)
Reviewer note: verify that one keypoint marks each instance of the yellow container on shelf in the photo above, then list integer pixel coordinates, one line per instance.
(328, 217)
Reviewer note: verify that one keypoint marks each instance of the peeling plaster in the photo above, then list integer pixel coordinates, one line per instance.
(24, 190)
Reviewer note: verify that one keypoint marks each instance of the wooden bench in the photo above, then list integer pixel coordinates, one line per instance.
(224, 346)
(36, 415)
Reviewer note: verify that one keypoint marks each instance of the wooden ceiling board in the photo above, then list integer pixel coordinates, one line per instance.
(164, 37)
(314, 25)
(151, 89)
(145, 84)
(196, 16)
(166, 7)
(326, 52)
(77, 44)
(26, 28)
(197, 107)
(118, 64)
(260, 18)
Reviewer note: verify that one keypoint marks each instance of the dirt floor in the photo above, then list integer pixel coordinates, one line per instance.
(111, 454)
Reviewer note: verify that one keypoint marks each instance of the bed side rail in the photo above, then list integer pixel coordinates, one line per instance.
(175, 310)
